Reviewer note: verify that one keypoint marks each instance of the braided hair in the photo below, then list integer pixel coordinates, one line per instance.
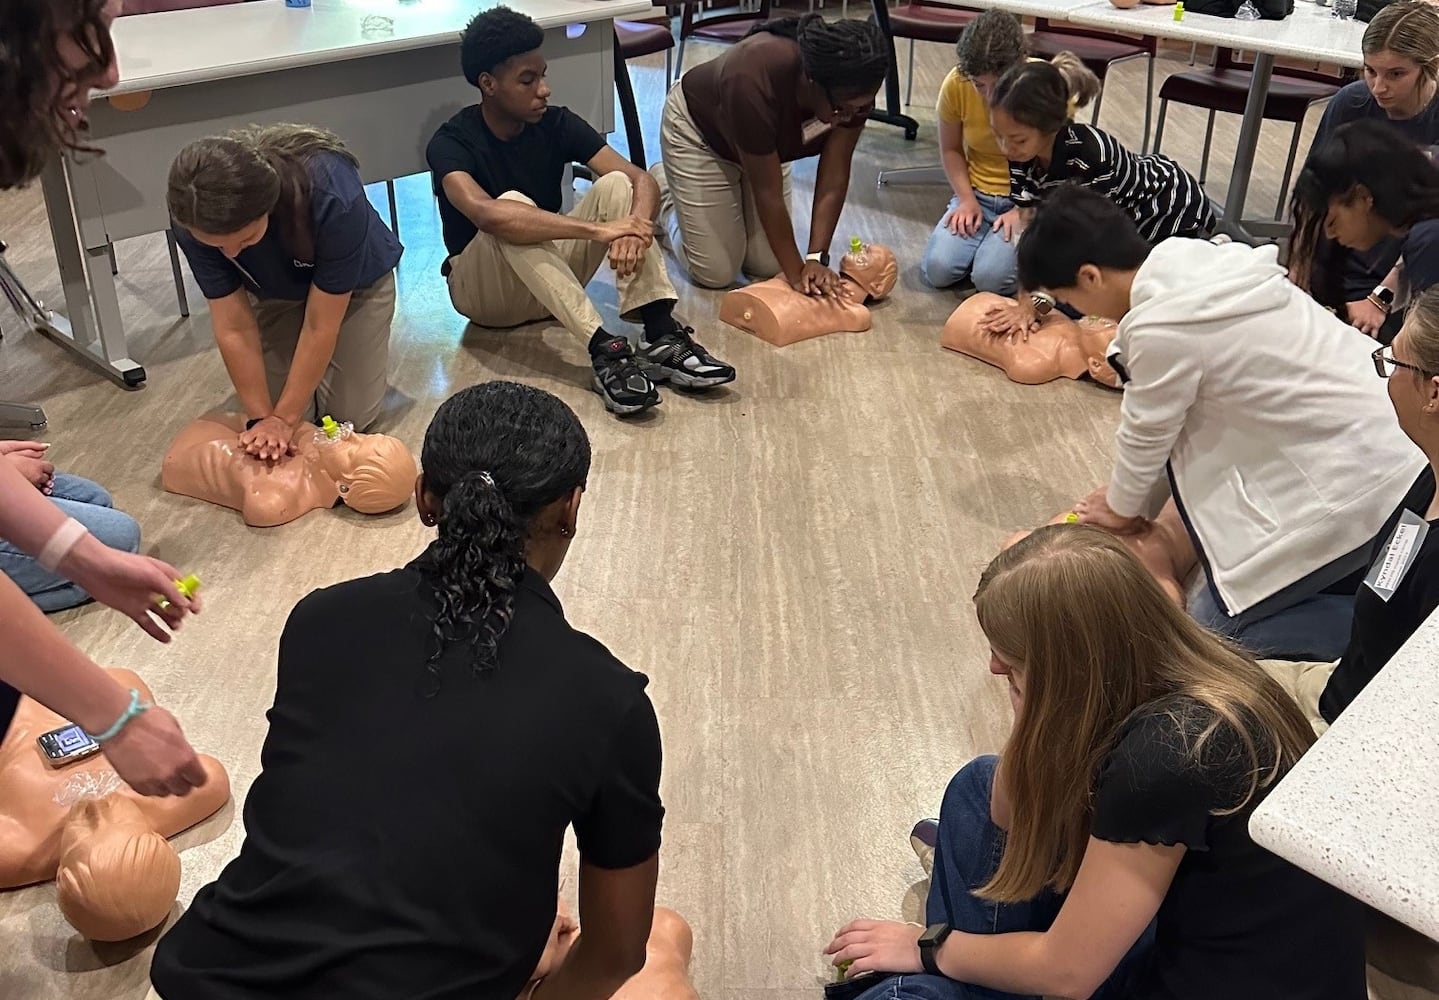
(495, 455)
(847, 58)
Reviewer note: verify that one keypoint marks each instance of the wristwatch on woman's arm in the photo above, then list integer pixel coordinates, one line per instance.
(1383, 297)
(820, 257)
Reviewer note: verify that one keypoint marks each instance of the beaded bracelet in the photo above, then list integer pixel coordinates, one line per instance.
(136, 707)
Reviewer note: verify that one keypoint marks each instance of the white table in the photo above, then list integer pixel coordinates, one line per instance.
(1361, 809)
(1310, 34)
(383, 85)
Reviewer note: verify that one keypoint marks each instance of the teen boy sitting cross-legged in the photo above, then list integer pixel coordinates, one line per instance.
(498, 167)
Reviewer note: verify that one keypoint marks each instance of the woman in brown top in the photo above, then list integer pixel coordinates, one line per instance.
(794, 87)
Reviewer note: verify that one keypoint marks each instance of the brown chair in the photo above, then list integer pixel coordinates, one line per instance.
(632, 40)
(916, 20)
(1225, 87)
(725, 26)
(1098, 50)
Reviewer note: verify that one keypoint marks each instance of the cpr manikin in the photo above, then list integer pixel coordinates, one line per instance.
(104, 844)
(1060, 348)
(370, 473)
(1162, 545)
(774, 312)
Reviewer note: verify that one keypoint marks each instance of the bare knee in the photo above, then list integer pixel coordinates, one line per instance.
(671, 938)
(517, 196)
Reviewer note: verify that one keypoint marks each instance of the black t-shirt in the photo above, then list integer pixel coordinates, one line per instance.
(1381, 627)
(532, 163)
(1237, 921)
(399, 845)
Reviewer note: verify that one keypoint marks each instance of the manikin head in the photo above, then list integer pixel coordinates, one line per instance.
(1032, 101)
(226, 190)
(1082, 249)
(118, 877)
(988, 47)
(375, 473)
(1401, 57)
(54, 52)
(1085, 636)
(879, 274)
(844, 63)
(500, 55)
(504, 468)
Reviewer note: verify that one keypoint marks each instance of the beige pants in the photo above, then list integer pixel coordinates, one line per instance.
(494, 283)
(353, 386)
(1304, 682)
(707, 208)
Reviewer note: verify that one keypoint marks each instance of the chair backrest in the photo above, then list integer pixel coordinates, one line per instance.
(163, 6)
(694, 21)
(1227, 59)
(1045, 24)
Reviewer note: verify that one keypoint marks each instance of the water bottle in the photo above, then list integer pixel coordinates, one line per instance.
(1344, 10)
(1248, 12)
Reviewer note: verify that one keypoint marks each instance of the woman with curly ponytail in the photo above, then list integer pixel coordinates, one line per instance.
(795, 87)
(436, 730)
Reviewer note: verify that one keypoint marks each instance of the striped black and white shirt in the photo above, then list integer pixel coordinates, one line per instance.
(1161, 197)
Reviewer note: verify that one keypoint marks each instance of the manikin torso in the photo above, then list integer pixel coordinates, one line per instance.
(776, 313)
(1060, 348)
(37, 800)
(205, 461)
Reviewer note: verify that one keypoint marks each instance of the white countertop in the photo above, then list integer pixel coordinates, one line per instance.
(1310, 33)
(1058, 10)
(1361, 809)
(217, 43)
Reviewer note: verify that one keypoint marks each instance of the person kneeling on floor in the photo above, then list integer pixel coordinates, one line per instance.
(498, 167)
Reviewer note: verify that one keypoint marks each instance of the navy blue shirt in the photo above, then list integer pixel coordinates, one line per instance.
(353, 246)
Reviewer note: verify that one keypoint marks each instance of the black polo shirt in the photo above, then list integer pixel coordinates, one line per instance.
(399, 845)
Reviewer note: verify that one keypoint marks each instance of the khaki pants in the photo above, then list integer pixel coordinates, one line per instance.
(1304, 682)
(353, 386)
(494, 283)
(707, 208)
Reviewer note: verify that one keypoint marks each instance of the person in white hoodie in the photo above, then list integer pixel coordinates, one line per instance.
(1250, 404)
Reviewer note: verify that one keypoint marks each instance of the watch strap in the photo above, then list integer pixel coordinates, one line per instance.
(820, 257)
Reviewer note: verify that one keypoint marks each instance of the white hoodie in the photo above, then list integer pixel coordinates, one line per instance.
(1283, 447)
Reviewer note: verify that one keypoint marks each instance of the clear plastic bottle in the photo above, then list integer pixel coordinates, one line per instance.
(329, 431)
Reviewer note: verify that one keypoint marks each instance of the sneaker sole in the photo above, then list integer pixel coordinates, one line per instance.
(668, 376)
(621, 409)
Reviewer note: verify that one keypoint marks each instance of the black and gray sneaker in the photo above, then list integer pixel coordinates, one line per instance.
(679, 359)
(619, 380)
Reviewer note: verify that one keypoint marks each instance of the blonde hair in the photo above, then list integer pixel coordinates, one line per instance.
(1409, 29)
(1095, 640)
(1421, 331)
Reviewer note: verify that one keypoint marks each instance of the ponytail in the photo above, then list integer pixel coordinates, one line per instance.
(495, 455)
(1038, 94)
(1079, 79)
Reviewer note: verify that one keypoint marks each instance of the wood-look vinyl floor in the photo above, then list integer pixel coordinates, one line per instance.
(790, 560)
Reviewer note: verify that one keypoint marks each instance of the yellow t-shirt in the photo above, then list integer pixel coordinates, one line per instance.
(959, 102)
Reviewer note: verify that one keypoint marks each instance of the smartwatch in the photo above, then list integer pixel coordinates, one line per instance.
(820, 257)
(929, 943)
(1382, 297)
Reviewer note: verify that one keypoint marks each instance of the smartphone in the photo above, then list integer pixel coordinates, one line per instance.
(66, 745)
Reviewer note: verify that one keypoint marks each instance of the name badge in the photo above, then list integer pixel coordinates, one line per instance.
(1393, 564)
(812, 130)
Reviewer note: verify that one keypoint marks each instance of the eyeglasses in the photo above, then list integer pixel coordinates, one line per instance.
(1384, 365)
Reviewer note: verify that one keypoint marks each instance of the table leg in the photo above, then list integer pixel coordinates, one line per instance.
(1248, 144)
(94, 329)
(891, 115)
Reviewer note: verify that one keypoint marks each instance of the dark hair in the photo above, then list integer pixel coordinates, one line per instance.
(1075, 226)
(495, 36)
(846, 58)
(1400, 177)
(33, 76)
(495, 455)
(990, 44)
(1039, 93)
(221, 184)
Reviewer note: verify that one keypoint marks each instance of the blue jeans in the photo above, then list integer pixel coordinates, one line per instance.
(89, 504)
(1315, 628)
(967, 855)
(986, 258)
